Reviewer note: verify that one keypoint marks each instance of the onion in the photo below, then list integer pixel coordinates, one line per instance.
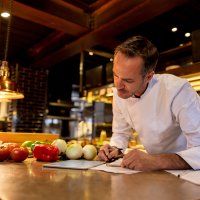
(74, 151)
(61, 144)
(89, 152)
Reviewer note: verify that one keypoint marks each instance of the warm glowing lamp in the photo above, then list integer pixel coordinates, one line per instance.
(8, 88)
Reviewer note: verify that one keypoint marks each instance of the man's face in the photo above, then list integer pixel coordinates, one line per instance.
(128, 77)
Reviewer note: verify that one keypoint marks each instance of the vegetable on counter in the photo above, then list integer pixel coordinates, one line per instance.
(59, 149)
(11, 146)
(30, 145)
(61, 144)
(89, 152)
(36, 143)
(12, 151)
(27, 143)
(4, 153)
(74, 151)
(19, 154)
(46, 152)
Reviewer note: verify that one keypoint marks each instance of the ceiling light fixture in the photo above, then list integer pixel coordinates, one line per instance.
(5, 14)
(8, 88)
(5, 100)
(91, 53)
(174, 29)
(187, 34)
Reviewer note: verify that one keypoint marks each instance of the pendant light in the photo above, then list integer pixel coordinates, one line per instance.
(8, 88)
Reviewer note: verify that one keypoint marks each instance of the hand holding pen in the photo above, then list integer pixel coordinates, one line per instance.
(109, 153)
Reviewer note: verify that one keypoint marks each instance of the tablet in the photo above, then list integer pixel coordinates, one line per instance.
(74, 164)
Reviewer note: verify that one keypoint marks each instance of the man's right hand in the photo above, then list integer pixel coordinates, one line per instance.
(107, 152)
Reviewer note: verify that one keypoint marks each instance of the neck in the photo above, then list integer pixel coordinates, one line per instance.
(138, 96)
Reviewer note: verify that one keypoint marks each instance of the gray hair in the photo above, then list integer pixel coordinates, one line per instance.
(140, 46)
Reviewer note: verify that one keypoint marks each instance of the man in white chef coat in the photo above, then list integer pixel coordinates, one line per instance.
(163, 109)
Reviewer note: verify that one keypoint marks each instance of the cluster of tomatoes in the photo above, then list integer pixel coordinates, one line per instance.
(13, 151)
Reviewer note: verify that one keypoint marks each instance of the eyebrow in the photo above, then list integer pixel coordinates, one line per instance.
(124, 79)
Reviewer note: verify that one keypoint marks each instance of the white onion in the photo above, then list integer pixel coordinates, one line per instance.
(74, 151)
(61, 144)
(89, 152)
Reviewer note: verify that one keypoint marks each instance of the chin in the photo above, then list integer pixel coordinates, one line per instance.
(123, 95)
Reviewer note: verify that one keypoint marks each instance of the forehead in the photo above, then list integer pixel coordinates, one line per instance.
(127, 66)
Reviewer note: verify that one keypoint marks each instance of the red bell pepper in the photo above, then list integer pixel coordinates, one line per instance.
(46, 152)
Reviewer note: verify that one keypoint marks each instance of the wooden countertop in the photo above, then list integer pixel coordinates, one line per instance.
(28, 180)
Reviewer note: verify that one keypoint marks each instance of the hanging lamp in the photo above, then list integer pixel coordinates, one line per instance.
(8, 88)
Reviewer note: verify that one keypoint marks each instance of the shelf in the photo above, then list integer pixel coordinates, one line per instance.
(65, 105)
(61, 118)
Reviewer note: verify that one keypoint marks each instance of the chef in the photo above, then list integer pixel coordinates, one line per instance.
(163, 109)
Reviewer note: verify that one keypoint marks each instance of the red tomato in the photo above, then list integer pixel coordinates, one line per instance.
(19, 154)
(4, 153)
(11, 146)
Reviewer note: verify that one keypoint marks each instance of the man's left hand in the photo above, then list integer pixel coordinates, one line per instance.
(139, 160)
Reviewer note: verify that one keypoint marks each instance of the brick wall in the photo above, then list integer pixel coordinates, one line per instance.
(27, 115)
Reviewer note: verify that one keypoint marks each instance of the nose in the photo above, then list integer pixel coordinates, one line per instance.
(119, 83)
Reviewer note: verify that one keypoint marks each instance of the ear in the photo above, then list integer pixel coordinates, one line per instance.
(149, 76)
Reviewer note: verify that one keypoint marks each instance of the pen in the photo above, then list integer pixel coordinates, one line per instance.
(183, 173)
(115, 158)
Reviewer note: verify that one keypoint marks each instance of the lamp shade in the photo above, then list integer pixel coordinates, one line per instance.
(8, 88)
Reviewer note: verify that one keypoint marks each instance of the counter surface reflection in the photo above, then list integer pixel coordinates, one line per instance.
(29, 180)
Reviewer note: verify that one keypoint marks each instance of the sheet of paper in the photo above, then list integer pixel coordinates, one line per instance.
(192, 176)
(116, 163)
(119, 170)
(177, 172)
(114, 167)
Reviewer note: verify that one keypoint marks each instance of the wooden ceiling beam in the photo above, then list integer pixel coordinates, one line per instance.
(74, 13)
(31, 14)
(59, 8)
(109, 43)
(98, 4)
(166, 54)
(40, 47)
(67, 5)
(68, 12)
(142, 12)
(112, 10)
(78, 3)
(129, 19)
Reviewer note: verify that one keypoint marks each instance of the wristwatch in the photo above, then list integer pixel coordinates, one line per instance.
(118, 149)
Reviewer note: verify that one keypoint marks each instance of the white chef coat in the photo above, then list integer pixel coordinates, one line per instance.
(166, 118)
